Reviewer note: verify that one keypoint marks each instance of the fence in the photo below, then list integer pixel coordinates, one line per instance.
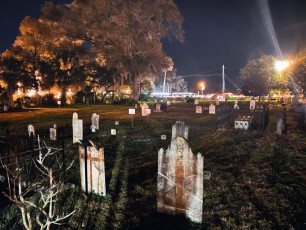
(226, 116)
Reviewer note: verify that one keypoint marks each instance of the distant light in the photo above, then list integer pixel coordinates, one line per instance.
(281, 65)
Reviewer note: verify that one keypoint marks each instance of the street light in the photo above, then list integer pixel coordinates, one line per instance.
(281, 65)
(202, 87)
(165, 70)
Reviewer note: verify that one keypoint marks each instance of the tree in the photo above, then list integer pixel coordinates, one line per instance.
(297, 71)
(45, 208)
(258, 77)
(11, 71)
(127, 34)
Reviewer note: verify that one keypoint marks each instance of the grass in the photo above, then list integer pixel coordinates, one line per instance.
(258, 178)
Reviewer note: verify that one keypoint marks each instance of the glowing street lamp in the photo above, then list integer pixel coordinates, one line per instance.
(202, 87)
(281, 65)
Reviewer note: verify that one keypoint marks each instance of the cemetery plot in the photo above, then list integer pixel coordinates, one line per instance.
(251, 178)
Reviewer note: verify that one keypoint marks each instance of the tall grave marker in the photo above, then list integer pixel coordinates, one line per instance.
(77, 128)
(180, 177)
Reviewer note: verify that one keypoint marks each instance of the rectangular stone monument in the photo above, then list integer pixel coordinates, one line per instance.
(157, 108)
(252, 104)
(212, 109)
(113, 132)
(196, 102)
(132, 111)
(53, 135)
(168, 102)
(144, 110)
(77, 128)
(95, 169)
(5, 108)
(180, 180)
(31, 130)
(199, 109)
(94, 122)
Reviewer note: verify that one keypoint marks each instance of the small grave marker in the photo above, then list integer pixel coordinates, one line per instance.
(31, 130)
(113, 132)
(199, 109)
(252, 104)
(116, 122)
(53, 135)
(157, 108)
(163, 137)
(77, 128)
(132, 112)
(212, 109)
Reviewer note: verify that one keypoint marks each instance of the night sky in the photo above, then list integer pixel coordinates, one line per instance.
(217, 32)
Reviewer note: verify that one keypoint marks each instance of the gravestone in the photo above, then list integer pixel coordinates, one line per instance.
(31, 130)
(180, 180)
(212, 109)
(236, 106)
(5, 108)
(77, 128)
(94, 122)
(113, 132)
(53, 135)
(116, 122)
(196, 102)
(168, 102)
(163, 137)
(136, 106)
(95, 169)
(198, 109)
(252, 104)
(243, 122)
(157, 108)
(179, 129)
(217, 101)
(144, 110)
(132, 111)
(281, 124)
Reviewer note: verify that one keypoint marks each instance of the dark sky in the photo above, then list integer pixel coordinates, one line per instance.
(217, 32)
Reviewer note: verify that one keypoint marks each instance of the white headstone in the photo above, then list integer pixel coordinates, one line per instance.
(217, 101)
(53, 136)
(31, 130)
(95, 169)
(5, 108)
(77, 128)
(168, 102)
(196, 102)
(236, 106)
(113, 132)
(198, 109)
(163, 137)
(94, 122)
(116, 122)
(144, 110)
(212, 109)
(252, 104)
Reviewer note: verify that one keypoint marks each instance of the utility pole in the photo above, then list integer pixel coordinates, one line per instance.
(223, 81)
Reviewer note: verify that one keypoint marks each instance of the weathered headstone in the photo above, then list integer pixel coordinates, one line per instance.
(196, 102)
(116, 122)
(168, 102)
(144, 110)
(236, 106)
(5, 108)
(77, 128)
(157, 108)
(53, 135)
(132, 111)
(95, 169)
(94, 122)
(212, 109)
(31, 130)
(198, 109)
(252, 104)
(113, 132)
(217, 101)
(180, 180)
(179, 129)
(163, 137)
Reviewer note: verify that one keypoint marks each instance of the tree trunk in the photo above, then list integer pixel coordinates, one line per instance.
(136, 88)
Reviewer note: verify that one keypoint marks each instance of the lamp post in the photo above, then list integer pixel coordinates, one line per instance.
(165, 70)
(202, 87)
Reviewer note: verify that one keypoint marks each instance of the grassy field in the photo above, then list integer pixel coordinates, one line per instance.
(258, 178)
